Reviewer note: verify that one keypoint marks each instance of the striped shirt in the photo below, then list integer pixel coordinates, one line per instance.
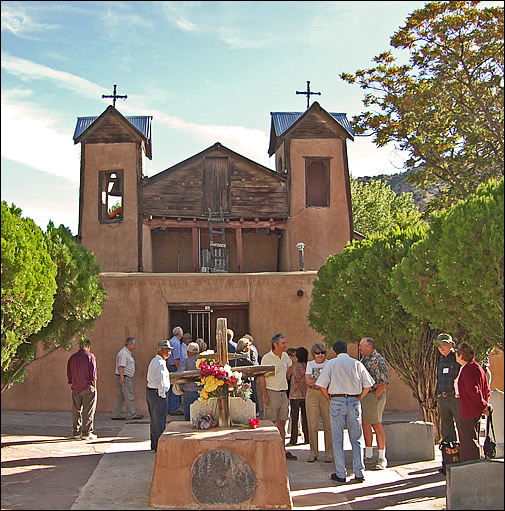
(125, 359)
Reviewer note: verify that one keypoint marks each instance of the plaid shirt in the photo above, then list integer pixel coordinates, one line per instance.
(376, 365)
(447, 371)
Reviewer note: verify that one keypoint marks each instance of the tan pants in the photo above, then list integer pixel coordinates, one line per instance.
(317, 406)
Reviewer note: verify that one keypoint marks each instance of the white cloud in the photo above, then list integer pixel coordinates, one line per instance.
(366, 159)
(41, 216)
(251, 143)
(17, 21)
(28, 70)
(48, 150)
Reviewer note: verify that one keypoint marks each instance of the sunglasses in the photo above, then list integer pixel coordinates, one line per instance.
(319, 352)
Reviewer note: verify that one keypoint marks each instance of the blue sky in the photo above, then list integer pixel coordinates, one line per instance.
(206, 71)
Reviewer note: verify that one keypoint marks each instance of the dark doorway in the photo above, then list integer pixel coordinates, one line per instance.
(201, 320)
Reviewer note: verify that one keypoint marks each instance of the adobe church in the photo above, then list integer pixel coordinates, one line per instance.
(215, 236)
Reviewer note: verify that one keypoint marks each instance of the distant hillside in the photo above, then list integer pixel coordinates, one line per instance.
(400, 185)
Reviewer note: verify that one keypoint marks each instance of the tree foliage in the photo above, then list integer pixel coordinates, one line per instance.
(454, 277)
(404, 287)
(352, 298)
(28, 282)
(445, 107)
(78, 302)
(376, 208)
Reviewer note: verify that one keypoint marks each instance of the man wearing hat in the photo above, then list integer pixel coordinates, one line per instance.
(190, 390)
(448, 370)
(158, 384)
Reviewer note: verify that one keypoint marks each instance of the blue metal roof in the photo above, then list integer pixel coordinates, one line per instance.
(141, 122)
(283, 120)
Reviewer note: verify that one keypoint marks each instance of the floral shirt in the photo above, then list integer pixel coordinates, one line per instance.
(377, 367)
(298, 384)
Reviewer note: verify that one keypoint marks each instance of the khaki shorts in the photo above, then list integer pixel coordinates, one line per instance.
(373, 408)
(278, 407)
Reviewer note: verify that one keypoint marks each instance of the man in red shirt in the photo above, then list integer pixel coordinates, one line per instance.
(81, 375)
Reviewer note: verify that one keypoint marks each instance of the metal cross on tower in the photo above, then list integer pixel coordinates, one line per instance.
(308, 93)
(114, 96)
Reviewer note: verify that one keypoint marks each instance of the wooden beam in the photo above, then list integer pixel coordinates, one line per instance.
(174, 223)
(247, 372)
(240, 251)
(194, 232)
(223, 398)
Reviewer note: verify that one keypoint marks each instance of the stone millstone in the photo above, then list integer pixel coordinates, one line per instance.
(222, 477)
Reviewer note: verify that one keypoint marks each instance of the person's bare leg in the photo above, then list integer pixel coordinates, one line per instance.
(379, 435)
(281, 426)
(367, 433)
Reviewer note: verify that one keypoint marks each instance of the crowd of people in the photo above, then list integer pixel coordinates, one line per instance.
(341, 392)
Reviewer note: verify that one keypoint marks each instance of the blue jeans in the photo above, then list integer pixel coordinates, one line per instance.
(174, 400)
(157, 407)
(345, 412)
(189, 399)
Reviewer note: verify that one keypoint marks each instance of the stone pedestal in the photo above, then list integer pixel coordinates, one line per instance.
(496, 400)
(220, 468)
(409, 441)
(240, 410)
(475, 485)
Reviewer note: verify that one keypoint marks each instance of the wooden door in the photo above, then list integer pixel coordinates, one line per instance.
(216, 185)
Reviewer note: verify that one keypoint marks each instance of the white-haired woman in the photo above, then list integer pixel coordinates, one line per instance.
(317, 405)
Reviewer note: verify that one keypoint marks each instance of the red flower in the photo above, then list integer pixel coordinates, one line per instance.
(254, 423)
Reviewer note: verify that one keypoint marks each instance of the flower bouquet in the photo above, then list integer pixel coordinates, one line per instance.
(254, 423)
(216, 378)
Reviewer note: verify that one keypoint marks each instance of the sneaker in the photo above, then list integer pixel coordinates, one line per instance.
(358, 479)
(382, 463)
(290, 456)
(89, 436)
(369, 461)
(77, 437)
(334, 477)
(312, 459)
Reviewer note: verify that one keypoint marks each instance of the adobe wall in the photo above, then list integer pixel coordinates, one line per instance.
(136, 306)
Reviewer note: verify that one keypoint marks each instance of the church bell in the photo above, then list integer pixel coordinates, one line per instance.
(116, 189)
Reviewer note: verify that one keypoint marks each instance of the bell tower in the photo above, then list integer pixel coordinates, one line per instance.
(112, 151)
(310, 151)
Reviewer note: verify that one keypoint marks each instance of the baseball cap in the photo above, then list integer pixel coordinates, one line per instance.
(164, 344)
(193, 347)
(443, 338)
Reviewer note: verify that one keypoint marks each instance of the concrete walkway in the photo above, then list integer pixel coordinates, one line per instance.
(44, 468)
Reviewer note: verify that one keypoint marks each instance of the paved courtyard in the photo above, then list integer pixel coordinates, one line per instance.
(44, 468)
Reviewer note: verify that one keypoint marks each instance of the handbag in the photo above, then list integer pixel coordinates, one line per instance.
(450, 453)
(490, 445)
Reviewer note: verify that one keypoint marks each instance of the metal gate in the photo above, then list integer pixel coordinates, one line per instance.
(199, 324)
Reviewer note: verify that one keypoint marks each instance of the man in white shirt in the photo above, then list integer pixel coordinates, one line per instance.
(274, 387)
(125, 370)
(344, 381)
(158, 385)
